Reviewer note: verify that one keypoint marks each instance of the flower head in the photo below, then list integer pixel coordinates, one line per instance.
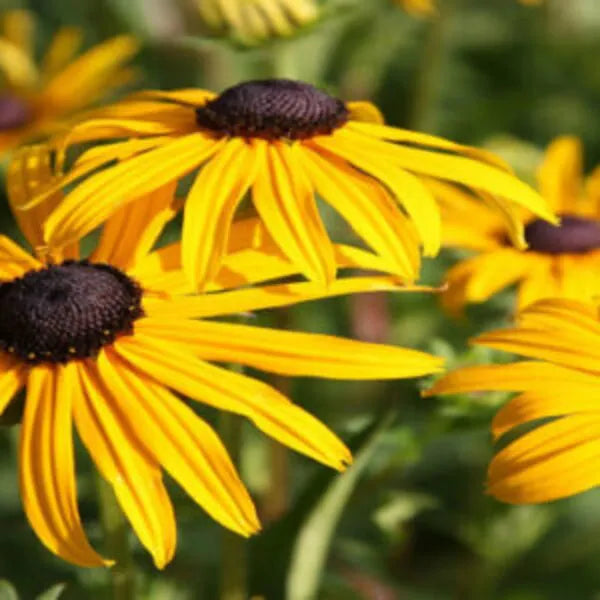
(34, 99)
(252, 21)
(561, 384)
(559, 261)
(285, 141)
(105, 343)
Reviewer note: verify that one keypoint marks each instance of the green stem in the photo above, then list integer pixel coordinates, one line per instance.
(116, 533)
(428, 76)
(234, 561)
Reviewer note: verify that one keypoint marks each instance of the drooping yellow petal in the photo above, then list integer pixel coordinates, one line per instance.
(128, 236)
(291, 353)
(210, 206)
(272, 296)
(533, 376)
(183, 443)
(531, 406)
(47, 471)
(410, 192)
(12, 379)
(269, 410)
(553, 461)
(284, 199)
(368, 209)
(94, 200)
(130, 469)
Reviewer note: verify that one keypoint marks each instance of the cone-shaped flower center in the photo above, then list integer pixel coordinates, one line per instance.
(573, 235)
(66, 311)
(14, 112)
(272, 109)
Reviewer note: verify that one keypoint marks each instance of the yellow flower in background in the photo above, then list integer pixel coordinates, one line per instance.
(253, 21)
(285, 141)
(418, 7)
(104, 343)
(562, 383)
(561, 261)
(35, 99)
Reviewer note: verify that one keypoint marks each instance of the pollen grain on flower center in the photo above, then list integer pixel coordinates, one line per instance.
(273, 109)
(66, 311)
(14, 112)
(574, 235)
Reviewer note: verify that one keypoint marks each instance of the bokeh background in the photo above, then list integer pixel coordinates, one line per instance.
(411, 521)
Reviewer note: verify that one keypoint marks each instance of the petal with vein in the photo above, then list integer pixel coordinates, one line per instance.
(183, 443)
(270, 411)
(47, 470)
(133, 473)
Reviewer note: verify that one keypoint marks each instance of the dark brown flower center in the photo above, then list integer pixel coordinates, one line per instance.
(14, 112)
(574, 235)
(66, 311)
(273, 109)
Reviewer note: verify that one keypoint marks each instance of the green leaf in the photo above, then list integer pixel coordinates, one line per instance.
(7, 590)
(311, 549)
(53, 593)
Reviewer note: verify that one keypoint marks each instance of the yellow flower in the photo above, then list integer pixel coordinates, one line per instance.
(418, 7)
(104, 344)
(252, 21)
(286, 141)
(560, 262)
(562, 383)
(34, 99)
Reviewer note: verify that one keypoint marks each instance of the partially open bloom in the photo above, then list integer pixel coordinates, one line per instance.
(285, 141)
(104, 343)
(560, 457)
(252, 21)
(35, 99)
(559, 261)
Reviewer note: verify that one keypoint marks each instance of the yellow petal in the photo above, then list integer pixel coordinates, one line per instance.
(129, 235)
(193, 96)
(132, 472)
(18, 28)
(210, 206)
(12, 379)
(14, 261)
(560, 175)
(285, 202)
(271, 296)
(183, 443)
(63, 47)
(270, 411)
(365, 112)
(47, 471)
(368, 209)
(410, 192)
(94, 200)
(291, 353)
(16, 66)
(553, 461)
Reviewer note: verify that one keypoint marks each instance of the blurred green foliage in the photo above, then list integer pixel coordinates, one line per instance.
(416, 524)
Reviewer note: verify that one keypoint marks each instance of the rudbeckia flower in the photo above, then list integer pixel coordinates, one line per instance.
(105, 343)
(35, 99)
(285, 141)
(561, 261)
(560, 387)
(252, 21)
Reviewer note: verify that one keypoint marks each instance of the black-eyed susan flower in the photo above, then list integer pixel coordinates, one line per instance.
(252, 21)
(559, 261)
(559, 391)
(35, 99)
(105, 343)
(285, 141)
